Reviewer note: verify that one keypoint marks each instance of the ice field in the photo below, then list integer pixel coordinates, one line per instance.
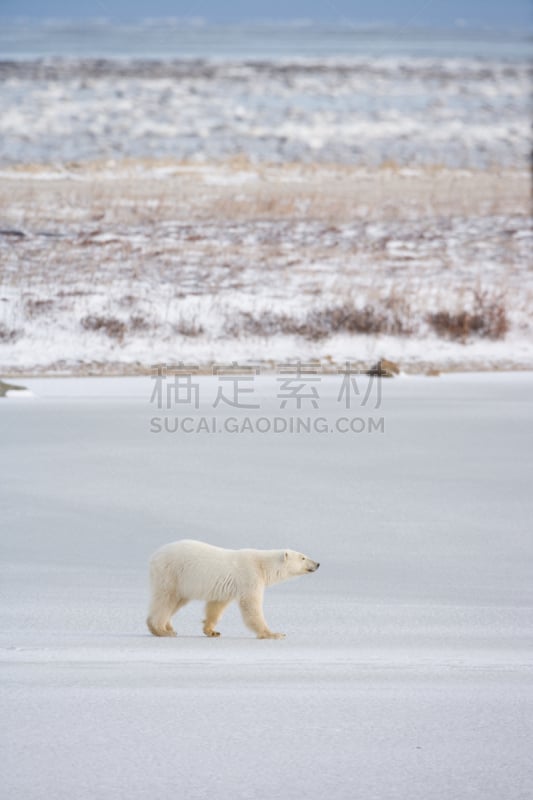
(407, 668)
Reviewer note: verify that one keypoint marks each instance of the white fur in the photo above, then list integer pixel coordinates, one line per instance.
(189, 570)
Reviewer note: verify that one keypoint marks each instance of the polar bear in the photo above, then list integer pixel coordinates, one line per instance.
(189, 570)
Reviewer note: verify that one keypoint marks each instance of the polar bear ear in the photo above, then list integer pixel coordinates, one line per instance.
(286, 555)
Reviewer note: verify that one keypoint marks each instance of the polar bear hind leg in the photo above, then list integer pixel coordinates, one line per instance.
(162, 608)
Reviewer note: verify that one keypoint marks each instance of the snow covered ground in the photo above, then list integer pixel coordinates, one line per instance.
(216, 193)
(113, 267)
(462, 112)
(407, 668)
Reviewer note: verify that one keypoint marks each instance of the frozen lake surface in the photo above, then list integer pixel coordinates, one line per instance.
(407, 669)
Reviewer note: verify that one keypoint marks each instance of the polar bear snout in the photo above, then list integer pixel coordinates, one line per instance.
(313, 568)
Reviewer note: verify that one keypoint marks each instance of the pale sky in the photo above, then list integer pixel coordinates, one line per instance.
(448, 13)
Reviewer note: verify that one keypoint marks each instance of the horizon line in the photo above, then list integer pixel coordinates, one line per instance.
(296, 23)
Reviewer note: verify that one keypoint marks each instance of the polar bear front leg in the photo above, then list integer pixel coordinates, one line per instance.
(252, 614)
(213, 611)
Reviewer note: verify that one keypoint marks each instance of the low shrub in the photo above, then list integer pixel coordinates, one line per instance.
(319, 323)
(487, 318)
(36, 308)
(9, 334)
(139, 324)
(188, 327)
(111, 326)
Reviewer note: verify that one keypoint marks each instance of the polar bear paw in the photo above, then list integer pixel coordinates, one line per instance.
(270, 635)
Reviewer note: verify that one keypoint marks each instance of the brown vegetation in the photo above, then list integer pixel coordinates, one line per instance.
(392, 316)
(35, 308)
(487, 318)
(188, 328)
(111, 326)
(8, 334)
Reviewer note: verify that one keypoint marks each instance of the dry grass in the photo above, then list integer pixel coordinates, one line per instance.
(189, 328)
(9, 334)
(111, 326)
(128, 256)
(38, 308)
(487, 318)
(392, 316)
(264, 324)
(116, 328)
(332, 193)
(139, 323)
(348, 318)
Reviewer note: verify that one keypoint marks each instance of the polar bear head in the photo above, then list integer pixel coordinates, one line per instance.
(298, 564)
